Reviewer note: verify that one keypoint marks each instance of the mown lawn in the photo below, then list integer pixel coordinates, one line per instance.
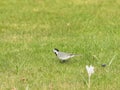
(31, 29)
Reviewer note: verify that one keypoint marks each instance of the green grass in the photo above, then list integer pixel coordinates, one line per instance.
(30, 29)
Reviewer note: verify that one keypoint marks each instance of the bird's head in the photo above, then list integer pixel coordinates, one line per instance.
(55, 50)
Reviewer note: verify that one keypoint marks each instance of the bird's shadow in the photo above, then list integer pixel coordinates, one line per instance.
(69, 61)
(64, 61)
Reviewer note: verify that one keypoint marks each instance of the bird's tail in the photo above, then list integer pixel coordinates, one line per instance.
(72, 55)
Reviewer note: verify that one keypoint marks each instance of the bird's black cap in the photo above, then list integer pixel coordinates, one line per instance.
(56, 49)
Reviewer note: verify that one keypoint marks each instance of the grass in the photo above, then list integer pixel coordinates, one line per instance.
(30, 29)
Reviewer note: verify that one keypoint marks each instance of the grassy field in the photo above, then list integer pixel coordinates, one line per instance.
(31, 29)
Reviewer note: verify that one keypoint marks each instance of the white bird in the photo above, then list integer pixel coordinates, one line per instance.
(62, 55)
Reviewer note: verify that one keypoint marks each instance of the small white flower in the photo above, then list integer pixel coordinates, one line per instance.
(90, 69)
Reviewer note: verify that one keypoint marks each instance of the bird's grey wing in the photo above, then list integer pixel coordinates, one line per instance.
(64, 56)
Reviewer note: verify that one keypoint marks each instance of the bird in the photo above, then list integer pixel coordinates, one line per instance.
(63, 56)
